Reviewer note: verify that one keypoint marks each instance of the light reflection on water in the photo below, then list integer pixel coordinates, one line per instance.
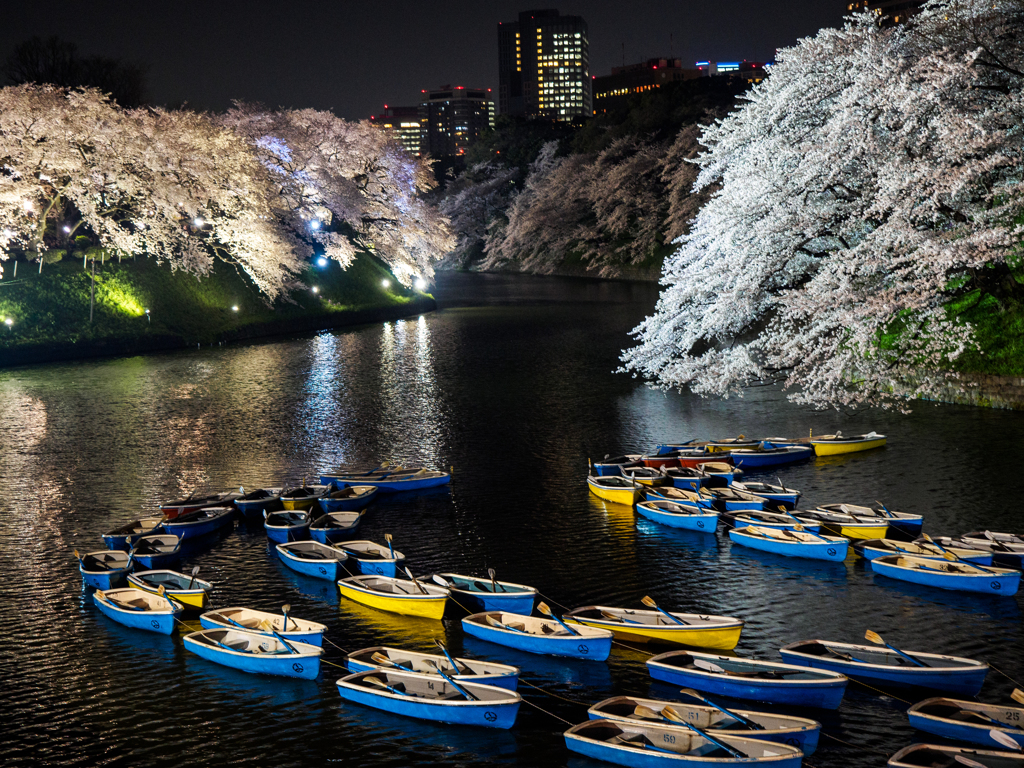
(510, 383)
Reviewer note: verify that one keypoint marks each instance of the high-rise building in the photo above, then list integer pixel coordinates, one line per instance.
(405, 123)
(613, 91)
(751, 71)
(544, 66)
(889, 12)
(452, 118)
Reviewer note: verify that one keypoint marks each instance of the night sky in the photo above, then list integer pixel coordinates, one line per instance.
(353, 57)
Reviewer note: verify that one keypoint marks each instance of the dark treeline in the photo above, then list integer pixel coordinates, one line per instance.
(604, 195)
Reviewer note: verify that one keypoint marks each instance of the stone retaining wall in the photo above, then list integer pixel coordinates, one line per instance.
(984, 390)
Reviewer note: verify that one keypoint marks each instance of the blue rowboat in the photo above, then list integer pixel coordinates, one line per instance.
(720, 474)
(150, 553)
(123, 537)
(647, 745)
(679, 515)
(766, 681)
(791, 543)
(904, 522)
(731, 500)
(334, 526)
(688, 478)
(946, 575)
(431, 697)
(776, 520)
(701, 498)
(927, 755)
(777, 494)
(882, 666)
(137, 609)
(261, 622)
(535, 635)
(286, 526)
(371, 559)
(871, 549)
(1002, 554)
(105, 569)
(200, 522)
(767, 458)
(311, 558)
(347, 499)
(252, 505)
(1007, 548)
(968, 721)
(609, 465)
(468, 670)
(484, 594)
(799, 732)
(393, 481)
(256, 653)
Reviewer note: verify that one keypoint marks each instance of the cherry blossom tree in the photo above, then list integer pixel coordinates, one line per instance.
(342, 185)
(874, 173)
(174, 186)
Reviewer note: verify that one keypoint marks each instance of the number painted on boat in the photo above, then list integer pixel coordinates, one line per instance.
(669, 738)
(297, 667)
(995, 585)
(1013, 716)
(430, 686)
(155, 623)
(832, 551)
(582, 648)
(490, 717)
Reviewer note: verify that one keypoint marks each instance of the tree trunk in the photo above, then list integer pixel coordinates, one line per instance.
(92, 290)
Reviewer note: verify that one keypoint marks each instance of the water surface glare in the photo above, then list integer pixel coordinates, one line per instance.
(511, 384)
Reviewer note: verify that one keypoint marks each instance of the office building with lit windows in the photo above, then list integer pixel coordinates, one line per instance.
(404, 122)
(751, 71)
(544, 66)
(613, 91)
(453, 117)
(889, 12)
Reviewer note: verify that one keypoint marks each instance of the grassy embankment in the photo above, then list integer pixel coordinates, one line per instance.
(50, 310)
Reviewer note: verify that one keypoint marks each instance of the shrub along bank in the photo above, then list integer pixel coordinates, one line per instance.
(49, 310)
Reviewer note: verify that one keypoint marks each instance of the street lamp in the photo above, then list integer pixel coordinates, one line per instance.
(198, 222)
(150, 319)
(386, 283)
(9, 322)
(421, 284)
(315, 289)
(234, 308)
(321, 262)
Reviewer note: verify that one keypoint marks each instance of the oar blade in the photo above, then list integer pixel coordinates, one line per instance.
(1005, 739)
(964, 760)
(1017, 695)
(646, 712)
(874, 637)
(708, 666)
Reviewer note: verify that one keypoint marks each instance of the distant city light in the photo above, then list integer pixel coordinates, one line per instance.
(198, 221)
(321, 262)
(386, 283)
(421, 284)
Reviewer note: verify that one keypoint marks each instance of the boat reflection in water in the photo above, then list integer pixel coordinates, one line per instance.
(391, 628)
(317, 589)
(561, 675)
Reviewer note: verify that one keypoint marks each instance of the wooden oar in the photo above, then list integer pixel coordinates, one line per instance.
(284, 609)
(441, 581)
(675, 717)
(876, 638)
(616, 617)
(1005, 739)
(381, 684)
(415, 581)
(989, 719)
(799, 525)
(1017, 695)
(469, 696)
(735, 715)
(495, 623)
(710, 666)
(494, 583)
(885, 509)
(380, 658)
(193, 579)
(453, 662)
(388, 539)
(543, 608)
(649, 602)
(963, 760)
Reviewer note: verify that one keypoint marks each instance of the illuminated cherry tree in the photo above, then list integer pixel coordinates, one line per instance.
(874, 173)
(344, 185)
(77, 171)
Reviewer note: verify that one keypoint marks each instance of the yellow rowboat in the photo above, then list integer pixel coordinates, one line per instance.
(719, 632)
(620, 490)
(303, 497)
(182, 588)
(850, 526)
(396, 595)
(830, 445)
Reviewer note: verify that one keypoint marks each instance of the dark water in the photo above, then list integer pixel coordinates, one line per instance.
(511, 384)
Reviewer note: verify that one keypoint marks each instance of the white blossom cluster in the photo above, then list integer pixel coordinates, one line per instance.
(259, 189)
(871, 175)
